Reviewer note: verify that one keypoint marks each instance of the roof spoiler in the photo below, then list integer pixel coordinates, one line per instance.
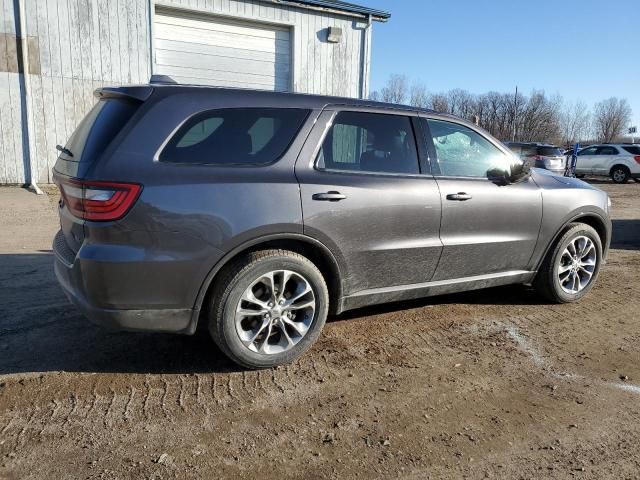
(139, 93)
(162, 80)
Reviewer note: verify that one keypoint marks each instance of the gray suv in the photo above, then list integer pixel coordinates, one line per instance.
(257, 214)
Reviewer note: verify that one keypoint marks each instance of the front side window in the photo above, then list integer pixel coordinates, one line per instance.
(235, 136)
(588, 151)
(369, 142)
(462, 152)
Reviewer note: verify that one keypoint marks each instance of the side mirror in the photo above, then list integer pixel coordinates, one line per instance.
(519, 171)
(499, 176)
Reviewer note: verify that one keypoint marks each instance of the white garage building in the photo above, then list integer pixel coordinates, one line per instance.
(68, 48)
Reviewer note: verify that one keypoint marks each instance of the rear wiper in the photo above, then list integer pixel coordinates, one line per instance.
(64, 150)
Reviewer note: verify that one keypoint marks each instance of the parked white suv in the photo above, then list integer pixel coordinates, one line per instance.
(618, 161)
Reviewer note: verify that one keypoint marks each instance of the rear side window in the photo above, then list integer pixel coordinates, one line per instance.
(632, 150)
(98, 128)
(370, 142)
(235, 136)
(607, 151)
(529, 150)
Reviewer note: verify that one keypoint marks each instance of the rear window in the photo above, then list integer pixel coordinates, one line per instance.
(549, 151)
(235, 136)
(632, 150)
(98, 128)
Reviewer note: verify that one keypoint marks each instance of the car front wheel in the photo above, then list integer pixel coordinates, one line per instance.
(268, 308)
(571, 266)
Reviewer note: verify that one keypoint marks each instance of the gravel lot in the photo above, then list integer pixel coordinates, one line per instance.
(489, 384)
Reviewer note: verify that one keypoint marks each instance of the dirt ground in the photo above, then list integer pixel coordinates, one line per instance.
(488, 384)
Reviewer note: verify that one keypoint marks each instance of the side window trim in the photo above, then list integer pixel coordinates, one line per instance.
(336, 110)
(437, 171)
(434, 166)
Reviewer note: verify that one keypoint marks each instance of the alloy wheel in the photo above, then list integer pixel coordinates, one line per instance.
(577, 265)
(275, 312)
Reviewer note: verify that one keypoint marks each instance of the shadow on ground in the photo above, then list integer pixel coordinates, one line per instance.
(40, 331)
(626, 234)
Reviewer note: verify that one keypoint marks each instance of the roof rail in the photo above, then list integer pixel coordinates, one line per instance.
(162, 79)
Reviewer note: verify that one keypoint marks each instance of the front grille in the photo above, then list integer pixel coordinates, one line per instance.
(62, 250)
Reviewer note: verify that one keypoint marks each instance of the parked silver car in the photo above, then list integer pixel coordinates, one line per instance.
(540, 155)
(619, 161)
(259, 213)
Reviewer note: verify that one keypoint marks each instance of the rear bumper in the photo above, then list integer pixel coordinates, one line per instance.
(74, 284)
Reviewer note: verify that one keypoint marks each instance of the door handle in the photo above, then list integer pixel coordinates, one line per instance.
(329, 196)
(460, 196)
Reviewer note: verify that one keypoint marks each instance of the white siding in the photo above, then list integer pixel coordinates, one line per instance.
(11, 150)
(85, 44)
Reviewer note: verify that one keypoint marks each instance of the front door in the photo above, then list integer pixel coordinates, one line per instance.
(364, 196)
(586, 160)
(487, 227)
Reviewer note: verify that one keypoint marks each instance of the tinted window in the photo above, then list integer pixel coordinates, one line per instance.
(98, 128)
(464, 153)
(369, 142)
(238, 136)
(607, 151)
(588, 151)
(515, 148)
(632, 150)
(549, 151)
(529, 150)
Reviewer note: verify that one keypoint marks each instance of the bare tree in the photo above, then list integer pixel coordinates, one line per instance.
(418, 96)
(575, 122)
(396, 89)
(438, 102)
(460, 103)
(375, 96)
(610, 116)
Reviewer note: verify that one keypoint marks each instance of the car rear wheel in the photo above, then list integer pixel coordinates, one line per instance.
(268, 308)
(571, 266)
(620, 174)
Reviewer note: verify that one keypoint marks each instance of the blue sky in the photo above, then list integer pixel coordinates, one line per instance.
(581, 49)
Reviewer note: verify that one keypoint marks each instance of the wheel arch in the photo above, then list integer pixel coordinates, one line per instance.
(618, 164)
(594, 220)
(331, 268)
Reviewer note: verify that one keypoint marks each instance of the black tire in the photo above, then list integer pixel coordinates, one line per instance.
(231, 285)
(547, 282)
(581, 176)
(620, 174)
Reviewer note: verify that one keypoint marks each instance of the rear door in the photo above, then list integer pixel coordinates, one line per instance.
(604, 159)
(487, 227)
(364, 196)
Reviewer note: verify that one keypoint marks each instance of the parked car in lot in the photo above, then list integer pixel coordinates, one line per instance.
(259, 213)
(618, 161)
(540, 155)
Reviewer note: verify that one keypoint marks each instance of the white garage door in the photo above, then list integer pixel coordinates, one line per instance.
(208, 50)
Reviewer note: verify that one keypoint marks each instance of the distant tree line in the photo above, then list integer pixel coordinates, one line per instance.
(533, 118)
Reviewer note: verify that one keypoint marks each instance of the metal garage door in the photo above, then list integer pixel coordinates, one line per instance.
(207, 50)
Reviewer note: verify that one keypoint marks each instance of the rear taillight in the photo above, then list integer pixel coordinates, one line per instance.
(637, 158)
(98, 201)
